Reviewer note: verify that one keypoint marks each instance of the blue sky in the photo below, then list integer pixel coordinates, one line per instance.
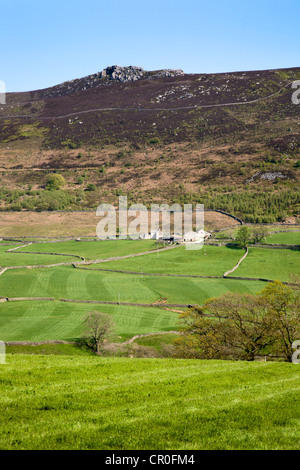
(44, 42)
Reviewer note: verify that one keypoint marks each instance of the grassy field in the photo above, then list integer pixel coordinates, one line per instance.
(26, 259)
(48, 320)
(44, 321)
(285, 232)
(94, 249)
(83, 402)
(269, 263)
(62, 397)
(209, 261)
(80, 284)
(288, 238)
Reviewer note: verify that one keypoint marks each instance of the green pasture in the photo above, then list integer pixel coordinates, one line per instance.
(49, 320)
(285, 234)
(208, 261)
(94, 249)
(79, 284)
(284, 238)
(55, 320)
(269, 263)
(27, 259)
(83, 402)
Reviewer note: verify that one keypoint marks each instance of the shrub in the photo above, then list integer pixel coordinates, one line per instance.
(55, 181)
(90, 187)
(121, 154)
(155, 140)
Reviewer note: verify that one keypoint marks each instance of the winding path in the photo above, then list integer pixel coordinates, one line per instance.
(237, 265)
(220, 105)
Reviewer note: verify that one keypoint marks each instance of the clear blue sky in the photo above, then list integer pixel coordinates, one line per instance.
(44, 42)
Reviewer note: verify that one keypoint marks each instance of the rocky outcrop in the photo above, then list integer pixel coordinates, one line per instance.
(122, 74)
(132, 73)
(106, 77)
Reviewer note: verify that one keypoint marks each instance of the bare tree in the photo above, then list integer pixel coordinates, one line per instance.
(259, 234)
(98, 326)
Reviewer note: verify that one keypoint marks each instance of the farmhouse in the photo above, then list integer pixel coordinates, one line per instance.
(152, 235)
(171, 238)
(189, 237)
(195, 236)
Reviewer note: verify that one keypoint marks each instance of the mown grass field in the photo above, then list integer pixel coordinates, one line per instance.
(290, 238)
(80, 284)
(209, 261)
(44, 321)
(83, 402)
(48, 320)
(94, 249)
(266, 263)
(63, 397)
(27, 259)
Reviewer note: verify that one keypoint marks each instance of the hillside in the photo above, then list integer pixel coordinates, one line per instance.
(230, 141)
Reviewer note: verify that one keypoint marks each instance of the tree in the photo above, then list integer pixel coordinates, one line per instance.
(201, 338)
(259, 234)
(55, 181)
(243, 237)
(240, 326)
(98, 326)
(233, 325)
(283, 303)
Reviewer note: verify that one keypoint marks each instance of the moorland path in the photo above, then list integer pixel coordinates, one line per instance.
(178, 108)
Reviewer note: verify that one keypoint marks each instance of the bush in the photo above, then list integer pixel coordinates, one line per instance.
(155, 140)
(91, 187)
(55, 181)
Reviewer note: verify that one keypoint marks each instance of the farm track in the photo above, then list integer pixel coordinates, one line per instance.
(237, 265)
(129, 341)
(96, 261)
(100, 302)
